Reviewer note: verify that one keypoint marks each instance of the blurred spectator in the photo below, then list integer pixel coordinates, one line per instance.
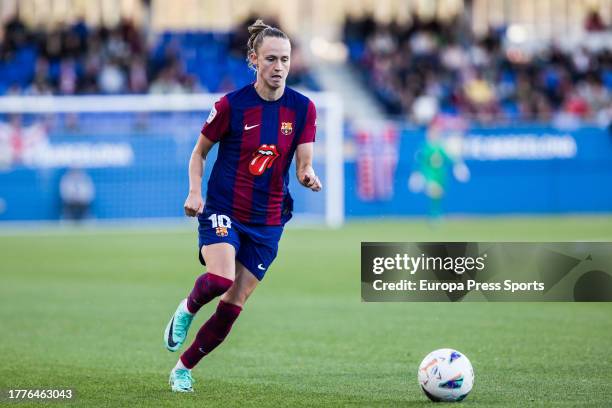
(15, 37)
(191, 84)
(167, 82)
(111, 79)
(480, 98)
(39, 87)
(594, 93)
(138, 79)
(594, 22)
(77, 193)
(68, 77)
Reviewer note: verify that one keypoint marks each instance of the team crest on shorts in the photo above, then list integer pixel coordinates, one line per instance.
(287, 128)
(221, 231)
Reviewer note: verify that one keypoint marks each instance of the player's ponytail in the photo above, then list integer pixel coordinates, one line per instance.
(258, 31)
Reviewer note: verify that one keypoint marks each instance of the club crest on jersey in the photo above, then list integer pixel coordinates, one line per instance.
(263, 158)
(221, 231)
(286, 128)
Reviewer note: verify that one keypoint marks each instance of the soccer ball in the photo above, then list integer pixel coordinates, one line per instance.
(446, 375)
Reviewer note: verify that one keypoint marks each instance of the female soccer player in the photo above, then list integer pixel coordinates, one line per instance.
(259, 127)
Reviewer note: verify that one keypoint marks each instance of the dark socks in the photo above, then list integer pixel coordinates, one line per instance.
(212, 333)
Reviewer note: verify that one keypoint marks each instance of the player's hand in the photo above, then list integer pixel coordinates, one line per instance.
(311, 181)
(194, 205)
(461, 172)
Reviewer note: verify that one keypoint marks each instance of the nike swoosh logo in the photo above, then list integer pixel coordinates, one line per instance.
(261, 267)
(247, 127)
(171, 341)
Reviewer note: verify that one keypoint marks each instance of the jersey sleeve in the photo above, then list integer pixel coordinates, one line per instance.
(310, 127)
(217, 126)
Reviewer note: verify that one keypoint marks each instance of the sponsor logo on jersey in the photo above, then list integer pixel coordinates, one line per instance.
(263, 158)
(287, 128)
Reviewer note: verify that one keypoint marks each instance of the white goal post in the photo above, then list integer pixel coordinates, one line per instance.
(330, 124)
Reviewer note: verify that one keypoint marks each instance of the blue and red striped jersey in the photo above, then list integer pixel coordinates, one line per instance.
(257, 141)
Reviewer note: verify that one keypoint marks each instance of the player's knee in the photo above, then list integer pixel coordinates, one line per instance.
(215, 285)
(234, 300)
(237, 295)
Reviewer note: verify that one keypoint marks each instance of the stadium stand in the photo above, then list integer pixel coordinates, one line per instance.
(78, 59)
(441, 63)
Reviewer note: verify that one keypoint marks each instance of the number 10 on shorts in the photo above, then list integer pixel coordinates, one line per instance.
(220, 223)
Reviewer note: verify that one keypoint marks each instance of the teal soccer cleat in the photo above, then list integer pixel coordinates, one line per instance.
(181, 380)
(176, 330)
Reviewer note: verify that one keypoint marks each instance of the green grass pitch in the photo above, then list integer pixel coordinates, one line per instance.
(86, 308)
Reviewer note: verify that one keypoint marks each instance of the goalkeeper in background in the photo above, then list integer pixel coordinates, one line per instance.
(435, 158)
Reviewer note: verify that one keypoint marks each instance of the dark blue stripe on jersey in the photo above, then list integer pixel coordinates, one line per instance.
(223, 176)
(237, 122)
(269, 135)
(300, 118)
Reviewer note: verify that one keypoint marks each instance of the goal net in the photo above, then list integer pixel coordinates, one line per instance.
(135, 150)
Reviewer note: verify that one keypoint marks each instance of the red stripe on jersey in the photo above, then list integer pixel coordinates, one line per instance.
(218, 123)
(310, 127)
(286, 133)
(249, 142)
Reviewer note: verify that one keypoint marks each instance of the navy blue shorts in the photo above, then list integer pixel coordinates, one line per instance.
(256, 245)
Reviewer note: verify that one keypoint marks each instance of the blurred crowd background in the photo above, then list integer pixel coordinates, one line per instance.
(432, 99)
(80, 59)
(417, 63)
(442, 63)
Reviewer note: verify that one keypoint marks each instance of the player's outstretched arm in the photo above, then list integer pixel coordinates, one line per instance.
(194, 204)
(305, 173)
